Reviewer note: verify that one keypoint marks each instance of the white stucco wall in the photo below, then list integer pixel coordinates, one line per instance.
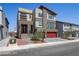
(3, 29)
(28, 17)
(37, 11)
(37, 18)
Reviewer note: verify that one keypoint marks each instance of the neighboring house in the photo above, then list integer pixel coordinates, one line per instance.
(24, 23)
(65, 26)
(45, 19)
(12, 34)
(4, 25)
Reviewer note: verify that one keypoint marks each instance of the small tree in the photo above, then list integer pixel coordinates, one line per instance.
(67, 34)
(41, 34)
(38, 35)
(35, 37)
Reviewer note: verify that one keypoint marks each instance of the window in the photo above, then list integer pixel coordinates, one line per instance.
(23, 28)
(23, 16)
(40, 14)
(66, 25)
(30, 16)
(31, 30)
(40, 22)
(51, 17)
(50, 25)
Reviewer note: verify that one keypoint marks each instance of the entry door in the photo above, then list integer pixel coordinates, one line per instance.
(24, 28)
(31, 29)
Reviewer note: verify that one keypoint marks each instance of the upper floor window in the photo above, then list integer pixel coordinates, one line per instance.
(23, 15)
(40, 22)
(50, 25)
(66, 25)
(51, 17)
(40, 14)
(30, 16)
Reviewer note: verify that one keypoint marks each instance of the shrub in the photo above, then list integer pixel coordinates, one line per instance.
(35, 37)
(12, 41)
(67, 34)
(38, 35)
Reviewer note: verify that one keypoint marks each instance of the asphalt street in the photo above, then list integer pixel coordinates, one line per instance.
(69, 49)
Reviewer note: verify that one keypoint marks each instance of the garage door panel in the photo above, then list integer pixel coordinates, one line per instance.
(51, 35)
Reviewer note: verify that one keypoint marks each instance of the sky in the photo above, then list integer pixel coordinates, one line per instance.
(65, 12)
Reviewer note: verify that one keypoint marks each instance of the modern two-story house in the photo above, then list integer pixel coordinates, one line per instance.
(46, 19)
(4, 25)
(24, 23)
(65, 26)
(29, 21)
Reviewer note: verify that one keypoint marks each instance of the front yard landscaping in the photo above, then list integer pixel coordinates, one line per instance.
(38, 37)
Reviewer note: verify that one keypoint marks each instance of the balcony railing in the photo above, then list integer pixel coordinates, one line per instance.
(70, 28)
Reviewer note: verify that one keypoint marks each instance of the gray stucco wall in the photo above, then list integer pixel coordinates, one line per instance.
(59, 27)
(1, 33)
(4, 26)
(5, 29)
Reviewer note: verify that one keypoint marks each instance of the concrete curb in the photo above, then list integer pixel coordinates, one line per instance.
(3, 50)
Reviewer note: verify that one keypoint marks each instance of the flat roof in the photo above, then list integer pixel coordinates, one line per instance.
(47, 9)
(25, 10)
(68, 23)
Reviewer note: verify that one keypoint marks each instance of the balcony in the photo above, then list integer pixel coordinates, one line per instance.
(52, 30)
(71, 29)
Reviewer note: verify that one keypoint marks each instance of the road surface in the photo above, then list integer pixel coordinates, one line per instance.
(69, 49)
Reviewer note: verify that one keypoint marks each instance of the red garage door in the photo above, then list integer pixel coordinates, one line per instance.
(51, 34)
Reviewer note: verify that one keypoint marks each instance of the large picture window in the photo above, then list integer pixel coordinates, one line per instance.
(50, 25)
(51, 17)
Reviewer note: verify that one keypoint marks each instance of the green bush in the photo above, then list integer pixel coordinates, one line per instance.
(12, 41)
(38, 35)
(35, 37)
(67, 34)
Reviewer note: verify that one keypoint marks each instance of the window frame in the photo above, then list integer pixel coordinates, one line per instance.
(23, 15)
(40, 14)
(50, 25)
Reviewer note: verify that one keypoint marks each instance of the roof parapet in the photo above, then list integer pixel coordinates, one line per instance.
(25, 10)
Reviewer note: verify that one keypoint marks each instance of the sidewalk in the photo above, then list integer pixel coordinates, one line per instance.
(21, 42)
(4, 42)
(30, 46)
(54, 39)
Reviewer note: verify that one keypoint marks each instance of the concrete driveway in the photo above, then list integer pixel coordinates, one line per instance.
(54, 39)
